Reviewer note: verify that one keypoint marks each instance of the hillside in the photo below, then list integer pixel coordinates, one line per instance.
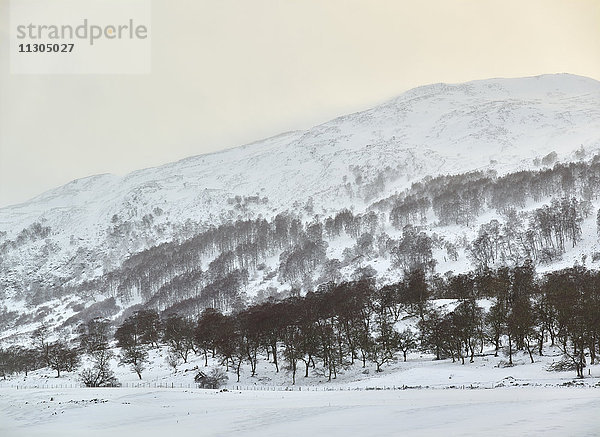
(99, 237)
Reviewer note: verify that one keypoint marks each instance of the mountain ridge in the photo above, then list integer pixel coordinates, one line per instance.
(418, 91)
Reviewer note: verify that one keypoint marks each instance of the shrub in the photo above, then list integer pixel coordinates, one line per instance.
(216, 378)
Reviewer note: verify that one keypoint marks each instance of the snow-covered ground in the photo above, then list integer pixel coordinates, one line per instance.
(420, 370)
(182, 412)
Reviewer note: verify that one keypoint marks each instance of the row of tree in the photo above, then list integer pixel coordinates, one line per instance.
(340, 324)
(459, 199)
(541, 235)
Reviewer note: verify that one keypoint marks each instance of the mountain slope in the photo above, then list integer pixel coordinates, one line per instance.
(351, 161)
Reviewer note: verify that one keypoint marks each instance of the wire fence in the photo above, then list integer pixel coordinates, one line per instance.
(306, 388)
(273, 388)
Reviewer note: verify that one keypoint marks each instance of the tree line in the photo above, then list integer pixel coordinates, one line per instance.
(459, 199)
(340, 325)
(193, 268)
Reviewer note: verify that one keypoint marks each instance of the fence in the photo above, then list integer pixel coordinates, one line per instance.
(237, 387)
(306, 388)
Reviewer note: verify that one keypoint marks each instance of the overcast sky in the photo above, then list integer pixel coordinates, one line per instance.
(228, 72)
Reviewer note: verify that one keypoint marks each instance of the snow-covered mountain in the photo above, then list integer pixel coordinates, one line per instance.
(349, 162)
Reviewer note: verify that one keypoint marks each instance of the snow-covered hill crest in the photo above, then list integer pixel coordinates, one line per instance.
(441, 128)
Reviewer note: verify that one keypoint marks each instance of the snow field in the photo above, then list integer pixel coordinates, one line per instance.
(160, 412)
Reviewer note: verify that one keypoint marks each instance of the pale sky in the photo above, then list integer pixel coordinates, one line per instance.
(227, 72)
